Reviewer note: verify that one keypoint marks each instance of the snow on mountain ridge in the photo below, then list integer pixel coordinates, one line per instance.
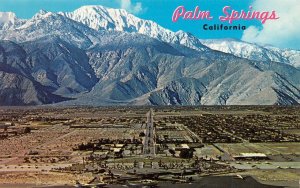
(102, 18)
(254, 51)
(99, 18)
(44, 24)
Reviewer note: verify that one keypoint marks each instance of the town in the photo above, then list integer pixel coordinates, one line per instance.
(150, 147)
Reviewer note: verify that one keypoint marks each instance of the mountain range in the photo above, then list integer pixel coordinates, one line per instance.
(102, 56)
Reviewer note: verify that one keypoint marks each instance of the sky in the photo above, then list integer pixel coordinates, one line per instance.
(283, 32)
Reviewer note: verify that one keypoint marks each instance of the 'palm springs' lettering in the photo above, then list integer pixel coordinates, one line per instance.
(229, 16)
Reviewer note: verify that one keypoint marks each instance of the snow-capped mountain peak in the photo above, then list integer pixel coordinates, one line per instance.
(39, 17)
(99, 17)
(102, 18)
(41, 14)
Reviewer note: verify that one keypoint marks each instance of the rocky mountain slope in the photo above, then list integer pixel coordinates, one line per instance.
(17, 86)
